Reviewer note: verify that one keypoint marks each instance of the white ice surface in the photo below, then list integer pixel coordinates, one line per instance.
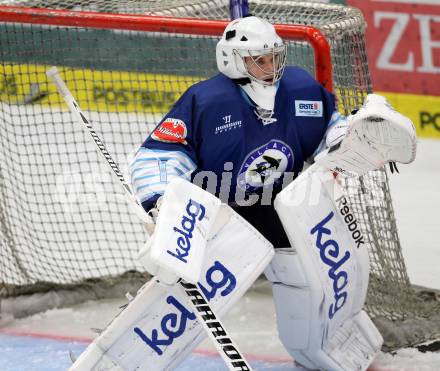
(416, 199)
(251, 324)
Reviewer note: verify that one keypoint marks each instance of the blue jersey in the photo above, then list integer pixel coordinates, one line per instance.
(212, 137)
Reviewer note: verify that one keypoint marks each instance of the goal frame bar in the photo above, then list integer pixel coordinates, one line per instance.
(192, 26)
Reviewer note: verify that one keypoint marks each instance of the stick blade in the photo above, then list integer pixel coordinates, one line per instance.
(72, 356)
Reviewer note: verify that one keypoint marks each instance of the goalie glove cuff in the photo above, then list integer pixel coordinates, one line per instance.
(336, 133)
(151, 202)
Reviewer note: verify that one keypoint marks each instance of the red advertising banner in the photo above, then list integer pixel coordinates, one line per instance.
(403, 44)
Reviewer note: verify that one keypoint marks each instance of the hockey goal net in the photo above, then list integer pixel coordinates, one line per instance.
(63, 218)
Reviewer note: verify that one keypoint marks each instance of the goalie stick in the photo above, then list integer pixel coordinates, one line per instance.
(205, 315)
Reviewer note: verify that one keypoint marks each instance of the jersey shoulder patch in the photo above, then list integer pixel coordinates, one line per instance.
(171, 130)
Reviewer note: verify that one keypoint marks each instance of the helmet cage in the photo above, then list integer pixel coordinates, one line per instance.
(253, 60)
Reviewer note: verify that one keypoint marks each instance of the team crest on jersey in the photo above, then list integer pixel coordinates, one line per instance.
(265, 165)
(170, 131)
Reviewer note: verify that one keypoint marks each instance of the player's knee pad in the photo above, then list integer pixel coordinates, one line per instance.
(320, 285)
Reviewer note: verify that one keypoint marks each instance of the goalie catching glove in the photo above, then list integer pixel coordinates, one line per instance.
(376, 135)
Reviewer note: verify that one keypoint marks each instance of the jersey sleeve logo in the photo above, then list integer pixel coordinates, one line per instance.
(171, 131)
(308, 108)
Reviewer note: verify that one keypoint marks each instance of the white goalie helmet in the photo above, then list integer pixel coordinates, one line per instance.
(255, 38)
(251, 50)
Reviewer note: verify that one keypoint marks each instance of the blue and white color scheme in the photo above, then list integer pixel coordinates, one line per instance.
(265, 166)
(152, 170)
(321, 284)
(308, 108)
(186, 216)
(221, 127)
(213, 137)
(158, 328)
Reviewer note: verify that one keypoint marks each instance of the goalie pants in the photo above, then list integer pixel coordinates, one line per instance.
(265, 219)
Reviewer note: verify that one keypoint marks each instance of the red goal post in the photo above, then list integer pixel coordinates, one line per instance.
(189, 26)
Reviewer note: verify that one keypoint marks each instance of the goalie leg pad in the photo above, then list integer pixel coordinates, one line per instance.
(157, 329)
(183, 226)
(320, 285)
(353, 346)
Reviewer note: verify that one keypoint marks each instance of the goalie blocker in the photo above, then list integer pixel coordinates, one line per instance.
(158, 328)
(320, 284)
